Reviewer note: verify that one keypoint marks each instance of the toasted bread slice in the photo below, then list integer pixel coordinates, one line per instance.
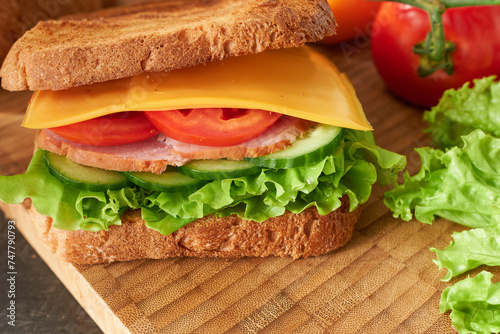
(157, 36)
(296, 235)
(17, 16)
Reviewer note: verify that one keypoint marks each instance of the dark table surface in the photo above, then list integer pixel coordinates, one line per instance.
(43, 304)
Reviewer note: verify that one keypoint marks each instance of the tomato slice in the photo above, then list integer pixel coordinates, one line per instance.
(213, 126)
(113, 129)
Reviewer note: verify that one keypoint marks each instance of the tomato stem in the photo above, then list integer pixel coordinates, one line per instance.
(463, 3)
(435, 52)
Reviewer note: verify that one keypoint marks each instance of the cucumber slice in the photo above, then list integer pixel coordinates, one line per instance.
(218, 169)
(169, 181)
(83, 177)
(316, 144)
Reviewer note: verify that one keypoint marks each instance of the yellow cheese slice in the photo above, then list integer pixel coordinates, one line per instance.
(299, 82)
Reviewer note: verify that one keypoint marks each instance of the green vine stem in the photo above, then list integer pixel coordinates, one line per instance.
(435, 52)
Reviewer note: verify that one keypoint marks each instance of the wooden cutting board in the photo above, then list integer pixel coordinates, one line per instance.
(383, 281)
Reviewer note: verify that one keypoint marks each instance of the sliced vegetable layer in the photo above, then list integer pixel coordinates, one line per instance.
(83, 177)
(212, 126)
(350, 170)
(169, 181)
(316, 144)
(218, 169)
(115, 129)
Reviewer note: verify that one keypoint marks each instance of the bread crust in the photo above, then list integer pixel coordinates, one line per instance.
(296, 235)
(157, 36)
(17, 16)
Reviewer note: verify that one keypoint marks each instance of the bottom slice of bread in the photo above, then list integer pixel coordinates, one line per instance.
(296, 235)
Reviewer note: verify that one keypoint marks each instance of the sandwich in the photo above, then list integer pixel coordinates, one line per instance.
(203, 128)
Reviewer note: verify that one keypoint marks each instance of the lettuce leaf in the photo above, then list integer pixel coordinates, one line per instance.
(474, 304)
(351, 171)
(70, 209)
(461, 111)
(470, 249)
(461, 184)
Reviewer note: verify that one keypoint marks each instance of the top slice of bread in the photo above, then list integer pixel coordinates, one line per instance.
(157, 36)
(17, 16)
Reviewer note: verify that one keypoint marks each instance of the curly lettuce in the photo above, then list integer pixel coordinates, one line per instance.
(468, 250)
(474, 304)
(351, 171)
(461, 111)
(460, 182)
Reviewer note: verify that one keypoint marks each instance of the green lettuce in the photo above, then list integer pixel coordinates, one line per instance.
(70, 209)
(474, 304)
(461, 111)
(351, 171)
(461, 184)
(470, 249)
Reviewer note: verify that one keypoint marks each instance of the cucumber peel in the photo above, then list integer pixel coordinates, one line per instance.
(319, 142)
(218, 169)
(169, 181)
(83, 177)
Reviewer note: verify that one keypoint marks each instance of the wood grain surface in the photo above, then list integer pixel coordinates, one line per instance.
(383, 281)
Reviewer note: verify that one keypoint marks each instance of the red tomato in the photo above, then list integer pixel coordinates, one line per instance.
(354, 18)
(397, 28)
(114, 129)
(212, 126)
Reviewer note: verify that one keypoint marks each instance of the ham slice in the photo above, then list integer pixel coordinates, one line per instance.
(155, 154)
